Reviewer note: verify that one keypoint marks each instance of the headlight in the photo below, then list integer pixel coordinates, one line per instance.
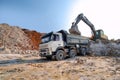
(47, 50)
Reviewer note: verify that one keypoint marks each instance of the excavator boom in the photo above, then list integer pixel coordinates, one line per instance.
(74, 28)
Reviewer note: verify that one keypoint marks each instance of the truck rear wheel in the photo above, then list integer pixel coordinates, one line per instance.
(72, 53)
(83, 51)
(60, 55)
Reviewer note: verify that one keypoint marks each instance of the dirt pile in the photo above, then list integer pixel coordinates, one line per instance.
(16, 39)
(35, 38)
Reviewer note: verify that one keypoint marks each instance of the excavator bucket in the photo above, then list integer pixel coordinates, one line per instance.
(74, 30)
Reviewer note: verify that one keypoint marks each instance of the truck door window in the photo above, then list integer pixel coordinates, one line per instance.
(56, 37)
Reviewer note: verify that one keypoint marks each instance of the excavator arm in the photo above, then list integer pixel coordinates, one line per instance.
(74, 28)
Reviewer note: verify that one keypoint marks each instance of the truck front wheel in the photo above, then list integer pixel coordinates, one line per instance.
(60, 55)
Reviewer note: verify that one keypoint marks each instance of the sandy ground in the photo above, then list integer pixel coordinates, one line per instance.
(27, 67)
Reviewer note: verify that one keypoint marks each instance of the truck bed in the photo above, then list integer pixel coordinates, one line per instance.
(77, 39)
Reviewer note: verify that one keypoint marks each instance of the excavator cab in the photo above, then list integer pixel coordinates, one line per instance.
(100, 34)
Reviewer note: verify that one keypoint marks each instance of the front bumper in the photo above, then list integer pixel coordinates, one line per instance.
(45, 52)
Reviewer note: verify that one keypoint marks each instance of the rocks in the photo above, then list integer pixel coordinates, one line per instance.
(105, 48)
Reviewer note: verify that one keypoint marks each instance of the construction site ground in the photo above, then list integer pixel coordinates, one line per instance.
(20, 60)
(29, 67)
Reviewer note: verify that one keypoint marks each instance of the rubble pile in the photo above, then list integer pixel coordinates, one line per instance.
(17, 40)
(105, 48)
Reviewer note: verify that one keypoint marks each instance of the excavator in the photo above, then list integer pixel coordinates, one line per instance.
(97, 34)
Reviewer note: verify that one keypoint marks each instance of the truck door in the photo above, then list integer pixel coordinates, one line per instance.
(57, 41)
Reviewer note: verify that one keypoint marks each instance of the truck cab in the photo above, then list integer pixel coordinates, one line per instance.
(50, 43)
(61, 44)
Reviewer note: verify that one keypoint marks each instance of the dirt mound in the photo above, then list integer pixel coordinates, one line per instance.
(16, 39)
(35, 38)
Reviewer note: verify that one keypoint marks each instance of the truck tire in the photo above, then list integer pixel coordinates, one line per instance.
(60, 55)
(72, 53)
(83, 51)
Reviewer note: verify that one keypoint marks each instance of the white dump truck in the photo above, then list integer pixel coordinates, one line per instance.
(59, 45)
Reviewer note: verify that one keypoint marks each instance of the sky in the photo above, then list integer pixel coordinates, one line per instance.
(54, 15)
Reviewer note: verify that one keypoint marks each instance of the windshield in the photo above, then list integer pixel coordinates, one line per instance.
(52, 37)
(46, 39)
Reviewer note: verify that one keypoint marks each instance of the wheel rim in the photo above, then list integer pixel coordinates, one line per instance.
(60, 56)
